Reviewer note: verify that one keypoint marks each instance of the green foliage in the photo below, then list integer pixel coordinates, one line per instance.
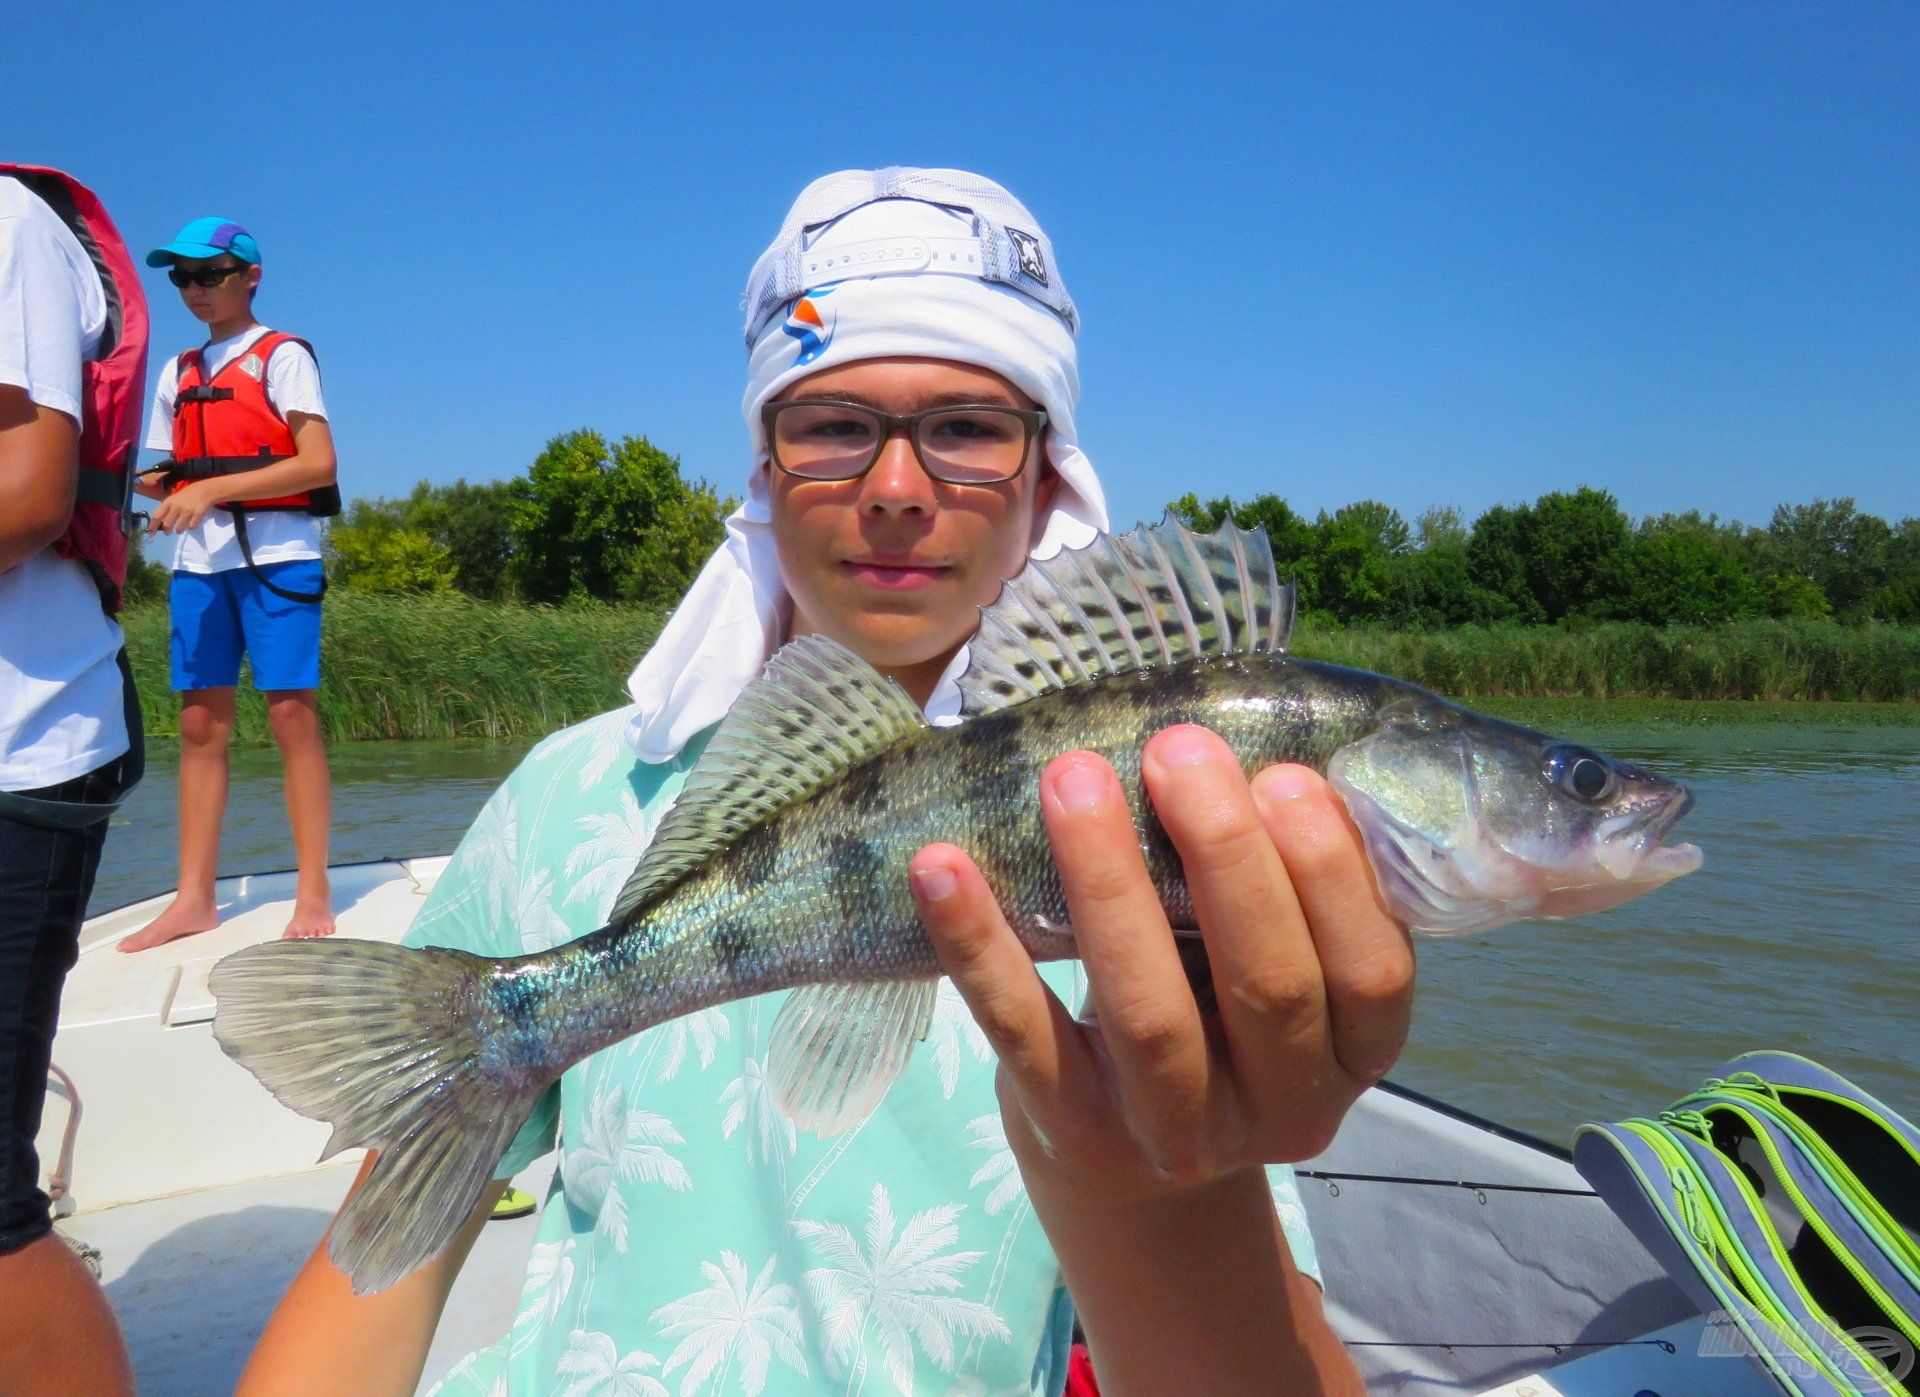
(591, 520)
(473, 523)
(1571, 540)
(373, 550)
(1442, 526)
(1899, 600)
(1497, 559)
(1833, 545)
(147, 581)
(1570, 557)
(1680, 574)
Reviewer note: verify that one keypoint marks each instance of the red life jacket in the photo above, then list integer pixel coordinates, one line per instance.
(227, 424)
(110, 389)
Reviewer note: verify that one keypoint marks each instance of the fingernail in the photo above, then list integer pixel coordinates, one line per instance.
(1288, 782)
(935, 884)
(1081, 788)
(1184, 746)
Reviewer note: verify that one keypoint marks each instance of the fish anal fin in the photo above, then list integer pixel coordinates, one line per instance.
(836, 1048)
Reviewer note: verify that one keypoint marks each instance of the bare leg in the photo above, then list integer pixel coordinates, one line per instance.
(295, 717)
(206, 726)
(57, 1334)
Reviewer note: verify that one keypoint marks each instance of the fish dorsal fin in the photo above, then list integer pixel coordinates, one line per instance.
(836, 1048)
(817, 710)
(1160, 595)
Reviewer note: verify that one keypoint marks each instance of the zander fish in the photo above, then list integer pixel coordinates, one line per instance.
(783, 864)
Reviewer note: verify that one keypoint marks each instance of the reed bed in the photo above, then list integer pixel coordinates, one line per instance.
(1768, 660)
(437, 667)
(451, 667)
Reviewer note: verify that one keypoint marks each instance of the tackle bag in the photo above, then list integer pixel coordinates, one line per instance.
(1783, 1199)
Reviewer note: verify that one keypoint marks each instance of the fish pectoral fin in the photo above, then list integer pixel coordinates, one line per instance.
(817, 711)
(837, 1048)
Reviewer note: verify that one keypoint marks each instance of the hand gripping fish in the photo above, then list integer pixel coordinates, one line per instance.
(783, 864)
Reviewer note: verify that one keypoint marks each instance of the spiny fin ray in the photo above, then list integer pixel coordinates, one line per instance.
(1160, 595)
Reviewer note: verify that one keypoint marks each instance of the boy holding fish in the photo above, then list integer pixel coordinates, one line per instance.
(912, 385)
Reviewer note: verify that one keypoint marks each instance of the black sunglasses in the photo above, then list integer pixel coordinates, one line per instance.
(206, 277)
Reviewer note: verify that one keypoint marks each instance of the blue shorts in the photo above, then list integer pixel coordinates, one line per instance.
(217, 616)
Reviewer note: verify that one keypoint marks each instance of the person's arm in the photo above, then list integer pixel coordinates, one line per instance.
(324, 1339)
(1195, 1292)
(39, 473)
(311, 467)
(1141, 1131)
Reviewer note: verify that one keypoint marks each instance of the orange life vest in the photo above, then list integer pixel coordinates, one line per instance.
(227, 424)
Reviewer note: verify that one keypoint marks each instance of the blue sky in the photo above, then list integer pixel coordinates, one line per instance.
(1426, 253)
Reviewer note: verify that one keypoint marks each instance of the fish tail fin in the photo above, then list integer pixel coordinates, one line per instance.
(390, 1046)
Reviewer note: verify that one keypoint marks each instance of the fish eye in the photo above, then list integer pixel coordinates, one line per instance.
(1580, 774)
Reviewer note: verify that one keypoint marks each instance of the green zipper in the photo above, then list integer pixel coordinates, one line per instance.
(1700, 1212)
(1894, 1239)
(1695, 1122)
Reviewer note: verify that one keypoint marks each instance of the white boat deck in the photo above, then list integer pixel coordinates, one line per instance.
(194, 1277)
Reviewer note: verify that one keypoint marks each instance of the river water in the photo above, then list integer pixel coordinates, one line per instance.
(1802, 931)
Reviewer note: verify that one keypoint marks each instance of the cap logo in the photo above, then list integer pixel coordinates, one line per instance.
(811, 324)
(1027, 248)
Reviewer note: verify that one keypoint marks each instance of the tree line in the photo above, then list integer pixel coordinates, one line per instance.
(618, 521)
(1575, 555)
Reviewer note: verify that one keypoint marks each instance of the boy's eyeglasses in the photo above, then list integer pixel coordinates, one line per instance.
(818, 439)
(206, 278)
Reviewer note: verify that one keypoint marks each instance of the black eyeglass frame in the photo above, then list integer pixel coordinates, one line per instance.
(182, 278)
(1032, 421)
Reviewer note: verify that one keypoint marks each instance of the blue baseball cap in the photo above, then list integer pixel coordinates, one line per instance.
(207, 237)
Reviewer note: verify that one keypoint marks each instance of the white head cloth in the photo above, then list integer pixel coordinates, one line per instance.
(870, 263)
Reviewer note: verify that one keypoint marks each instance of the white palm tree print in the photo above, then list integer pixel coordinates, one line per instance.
(549, 1278)
(989, 1133)
(703, 1031)
(601, 862)
(619, 1145)
(732, 1322)
(952, 1030)
(540, 925)
(493, 846)
(599, 1369)
(600, 741)
(897, 1287)
(749, 1101)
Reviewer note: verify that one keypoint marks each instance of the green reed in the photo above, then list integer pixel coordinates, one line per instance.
(1778, 660)
(452, 667)
(437, 667)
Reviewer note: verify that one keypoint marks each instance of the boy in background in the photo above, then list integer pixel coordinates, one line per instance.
(250, 473)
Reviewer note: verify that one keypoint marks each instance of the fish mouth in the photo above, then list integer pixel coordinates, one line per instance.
(1636, 851)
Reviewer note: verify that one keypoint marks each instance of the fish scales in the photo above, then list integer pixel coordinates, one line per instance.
(818, 892)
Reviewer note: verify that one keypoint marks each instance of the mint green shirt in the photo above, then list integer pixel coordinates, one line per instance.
(694, 1242)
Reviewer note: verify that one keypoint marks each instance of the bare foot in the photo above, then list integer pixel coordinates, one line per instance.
(180, 919)
(312, 916)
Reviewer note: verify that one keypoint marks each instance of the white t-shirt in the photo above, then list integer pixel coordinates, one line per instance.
(61, 712)
(277, 536)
